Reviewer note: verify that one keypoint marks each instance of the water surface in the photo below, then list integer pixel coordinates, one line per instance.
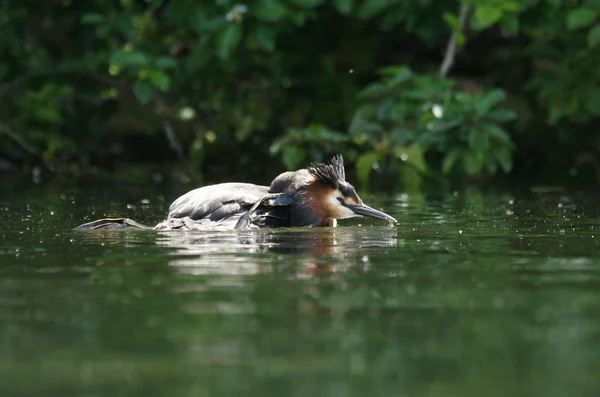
(469, 294)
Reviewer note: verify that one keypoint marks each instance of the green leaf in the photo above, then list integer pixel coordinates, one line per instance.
(512, 6)
(412, 155)
(292, 156)
(412, 167)
(370, 8)
(450, 160)
(269, 10)
(488, 100)
(307, 3)
(593, 37)
(373, 90)
(47, 114)
(504, 157)
(92, 19)
(142, 91)
(464, 98)
(499, 115)
(472, 162)
(197, 59)
(452, 20)
(298, 18)
(486, 15)
(364, 166)
(478, 140)
(580, 18)
(229, 40)
(343, 6)
(265, 37)
(510, 23)
(165, 63)
(592, 103)
(496, 132)
(134, 59)
(160, 79)
(398, 76)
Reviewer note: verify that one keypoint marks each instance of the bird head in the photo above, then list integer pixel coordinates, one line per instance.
(336, 197)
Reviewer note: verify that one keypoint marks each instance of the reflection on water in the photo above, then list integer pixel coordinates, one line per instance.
(469, 294)
(338, 248)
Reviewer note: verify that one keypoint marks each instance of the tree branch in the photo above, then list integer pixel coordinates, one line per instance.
(451, 47)
(18, 139)
(177, 148)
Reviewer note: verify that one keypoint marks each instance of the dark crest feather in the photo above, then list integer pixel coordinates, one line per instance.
(331, 173)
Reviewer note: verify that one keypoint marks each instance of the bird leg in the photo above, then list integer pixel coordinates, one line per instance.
(269, 200)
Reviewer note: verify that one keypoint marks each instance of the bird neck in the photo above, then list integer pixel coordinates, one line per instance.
(310, 208)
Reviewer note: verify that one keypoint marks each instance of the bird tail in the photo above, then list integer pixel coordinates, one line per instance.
(113, 224)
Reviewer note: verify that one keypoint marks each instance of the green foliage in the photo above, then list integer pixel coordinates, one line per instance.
(405, 118)
(94, 82)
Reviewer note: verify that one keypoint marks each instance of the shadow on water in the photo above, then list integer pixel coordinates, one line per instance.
(469, 294)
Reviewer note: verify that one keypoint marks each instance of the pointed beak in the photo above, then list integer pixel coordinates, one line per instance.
(365, 210)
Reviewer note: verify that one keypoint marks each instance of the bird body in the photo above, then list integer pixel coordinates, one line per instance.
(213, 207)
(315, 196)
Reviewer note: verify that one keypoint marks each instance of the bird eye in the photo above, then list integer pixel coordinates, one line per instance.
(341, 200)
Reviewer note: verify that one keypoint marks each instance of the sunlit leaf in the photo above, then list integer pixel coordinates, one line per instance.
(488, 100)
(580, 18)
(452, 20)
(292, 156)
(129, 58)
(464, 98)
(413, 155)
(364, 166)
(485, 15)
(412, 166)
(229, 40)
(48, 114)
(160, 79)
(343, 6)
(511, 6)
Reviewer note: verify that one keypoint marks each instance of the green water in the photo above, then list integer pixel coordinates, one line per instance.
(470, 294)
